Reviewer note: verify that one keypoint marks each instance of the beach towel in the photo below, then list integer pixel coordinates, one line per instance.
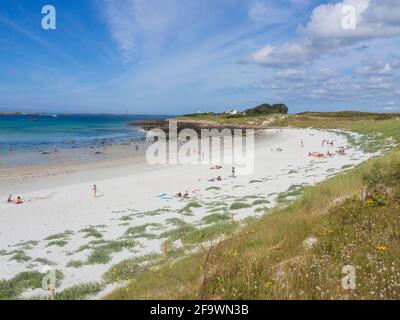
(165, 196)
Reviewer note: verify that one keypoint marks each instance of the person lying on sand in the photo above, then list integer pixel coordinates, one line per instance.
(315, 154)
(15, 201)
(215, 179)
(216, 167)
(182, 195)
(341, 151)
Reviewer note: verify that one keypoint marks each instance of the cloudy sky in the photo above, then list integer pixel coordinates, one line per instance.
(180, 56)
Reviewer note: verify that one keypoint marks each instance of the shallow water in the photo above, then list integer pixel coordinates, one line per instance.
(41, 133)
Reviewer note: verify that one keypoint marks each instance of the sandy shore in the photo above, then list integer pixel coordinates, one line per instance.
(60, 220)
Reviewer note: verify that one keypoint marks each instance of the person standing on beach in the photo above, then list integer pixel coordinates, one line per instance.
(94, 190)
(233, 172)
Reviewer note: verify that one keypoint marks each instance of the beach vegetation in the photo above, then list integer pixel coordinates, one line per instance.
(187, 209)
(140, 231)
(128, 268)
(260, 201)
(80, 291)
(12, 288)
(19, 256)
(213, 188)
(101, 254)
(92, 232)
(239, 205)
(213, 218)
(60, 236)
(75, 264)
(45, 261)
(27, 245)
(58, 243)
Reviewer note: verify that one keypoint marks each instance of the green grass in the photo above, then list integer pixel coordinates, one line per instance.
(239, 205)
(59, 239)
(293, 192)
(75, 264)
(140, 231)
(92, 232)
(213, 188)
(60, 236)
(27, 245)
(213, 218)
(20, 256)
(187, 209)
(258, 202)
(57, 243)
(152, 213)
(180, 232)
(11, 289)
(128, 268)
(80, 291)
(101, 254)
(45, 261)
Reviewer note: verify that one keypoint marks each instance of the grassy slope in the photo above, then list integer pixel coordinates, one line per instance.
(267, 258)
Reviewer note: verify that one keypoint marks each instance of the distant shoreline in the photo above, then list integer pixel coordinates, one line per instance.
(72, 114)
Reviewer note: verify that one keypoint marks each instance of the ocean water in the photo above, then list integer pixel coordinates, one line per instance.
(44, 132)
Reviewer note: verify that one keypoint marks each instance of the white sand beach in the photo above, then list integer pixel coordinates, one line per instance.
(60, 214)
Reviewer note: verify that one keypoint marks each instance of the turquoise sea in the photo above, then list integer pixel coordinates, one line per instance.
(42, 132)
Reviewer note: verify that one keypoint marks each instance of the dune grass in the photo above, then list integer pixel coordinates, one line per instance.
(80, 291)
(12, 289)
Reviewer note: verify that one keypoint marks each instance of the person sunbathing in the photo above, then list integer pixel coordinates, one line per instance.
(316, 154)
(15, 201)
(215, 179)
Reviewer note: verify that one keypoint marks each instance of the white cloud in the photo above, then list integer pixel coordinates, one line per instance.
(324, 33)
(384, 69)
(291, 73)
(132, 21)
(288, 54)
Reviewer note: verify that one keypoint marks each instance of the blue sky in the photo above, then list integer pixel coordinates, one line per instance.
(180, 56)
